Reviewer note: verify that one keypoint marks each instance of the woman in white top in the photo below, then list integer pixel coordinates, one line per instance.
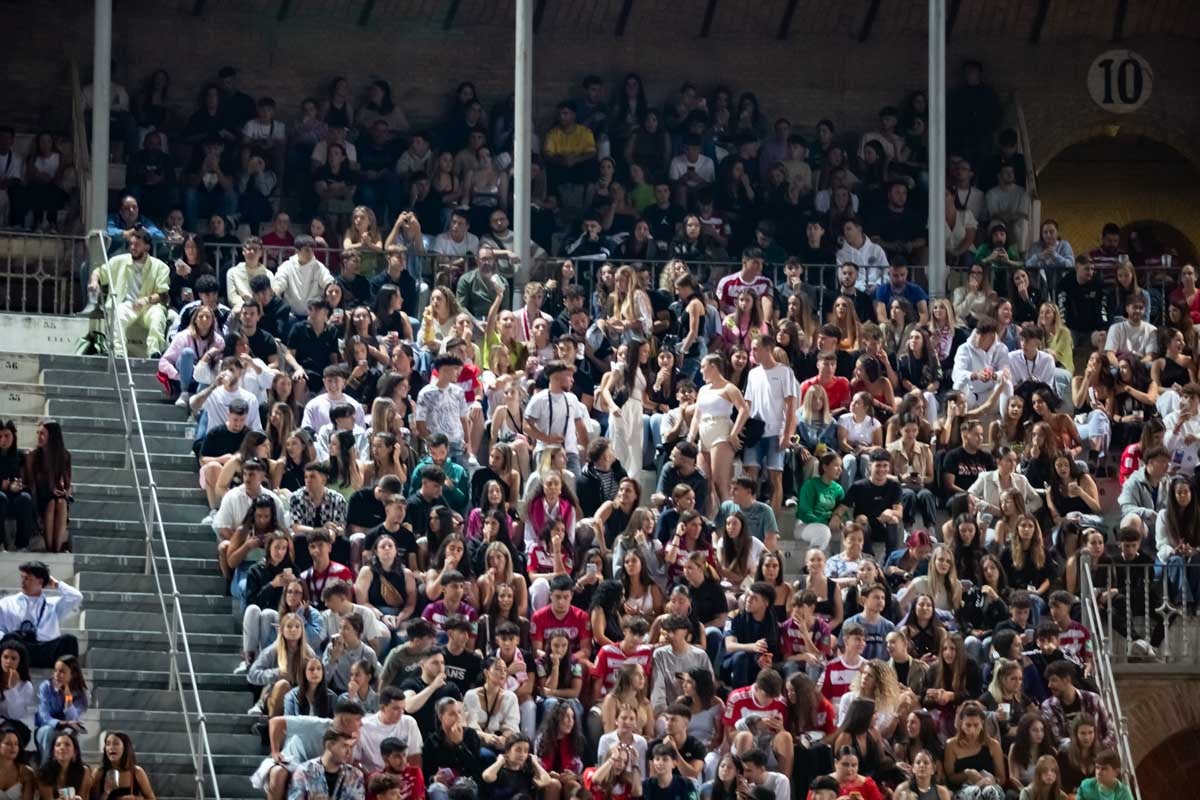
(858, 434)
(623, 391)
(975, 299)
(876, 681)
(17, 704)
(437, 321)
(492, 710)
(713, 428)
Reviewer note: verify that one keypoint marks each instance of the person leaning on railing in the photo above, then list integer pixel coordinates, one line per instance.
(138, 284)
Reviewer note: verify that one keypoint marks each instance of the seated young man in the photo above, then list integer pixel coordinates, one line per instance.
(323, 570)
(632, 649)
(315, 508)
(752, 640)
(756, 718)
(451, 603)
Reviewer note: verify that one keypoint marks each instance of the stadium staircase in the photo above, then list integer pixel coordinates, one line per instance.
(125, 647)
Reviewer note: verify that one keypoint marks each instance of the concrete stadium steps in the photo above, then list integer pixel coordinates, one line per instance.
(121, 628)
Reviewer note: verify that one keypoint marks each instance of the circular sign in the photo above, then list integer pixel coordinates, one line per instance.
(1120, 81)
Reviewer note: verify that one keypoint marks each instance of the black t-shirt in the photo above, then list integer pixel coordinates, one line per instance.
(364, 510)
(406, 543)
(464, 670)
(869, 499)
(418, 512)
(425, 715)
(356, 290)
(680, 788)
(966, 467)
(708, 601)
(331, 781)
(662, 221)
(220, 441)
(746, 629)
(313, 350)
(692, 749)
(262, 344)
(511, 782)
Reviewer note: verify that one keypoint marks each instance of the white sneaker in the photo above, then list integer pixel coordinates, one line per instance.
(209, 517)
(182, 402)
(473, 462)
(255, 710)
(241, 668)
(1142, 648)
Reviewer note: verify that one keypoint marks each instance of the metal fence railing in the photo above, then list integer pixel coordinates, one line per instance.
(182, 673)
(1095, 621)
(1150, 602)
(44, 273)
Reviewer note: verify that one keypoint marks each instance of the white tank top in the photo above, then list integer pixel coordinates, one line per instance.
(711, 403)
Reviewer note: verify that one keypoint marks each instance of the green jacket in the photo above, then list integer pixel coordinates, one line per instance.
(817, 500)
(457, 497)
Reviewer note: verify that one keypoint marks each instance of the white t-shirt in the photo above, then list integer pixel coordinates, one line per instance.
(373, 732)
(444, 245)
(555, 415)
(858, 432)
(703, 165)
(1123, 337)
(767, 391)
(609, 740)
(870, 260)
(274, 131)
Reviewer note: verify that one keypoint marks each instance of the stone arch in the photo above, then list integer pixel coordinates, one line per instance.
(1046, 151)
(1159, 771)
(1157, 708)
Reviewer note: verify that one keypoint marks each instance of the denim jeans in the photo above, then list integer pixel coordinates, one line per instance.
(186, 365)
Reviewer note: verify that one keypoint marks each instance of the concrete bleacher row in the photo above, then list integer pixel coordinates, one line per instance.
(123, 642)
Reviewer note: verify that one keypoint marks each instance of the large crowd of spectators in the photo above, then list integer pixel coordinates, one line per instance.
(515, 529)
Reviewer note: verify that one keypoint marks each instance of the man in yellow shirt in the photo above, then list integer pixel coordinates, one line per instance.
(137, 292)
(569, 149)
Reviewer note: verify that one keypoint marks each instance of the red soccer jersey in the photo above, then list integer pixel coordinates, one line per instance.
(838, 391)
(743, 705)
(731, 287)
(837, 678)
(611, 658)
(577, 625)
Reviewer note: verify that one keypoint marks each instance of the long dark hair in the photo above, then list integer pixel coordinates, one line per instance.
(22, 661)
(1022, 746)
(719, 790)
(607, 597)
(53, 459)
(339, 465)
(128, 762)
(803, 710)
(1183, 523)
(386, 106)
(548, 735)
(77, 684)
(706, 688)
(319, 705)
(50, 772)
(736, 553)
(11, 427)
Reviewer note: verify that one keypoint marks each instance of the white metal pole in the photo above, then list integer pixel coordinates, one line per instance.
(936, 273)
(97, 209)
(522, 139)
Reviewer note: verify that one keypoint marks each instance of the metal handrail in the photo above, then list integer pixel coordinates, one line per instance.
(1105, 680)
(148, 506)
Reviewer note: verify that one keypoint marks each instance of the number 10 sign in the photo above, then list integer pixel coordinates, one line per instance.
(1120, 81)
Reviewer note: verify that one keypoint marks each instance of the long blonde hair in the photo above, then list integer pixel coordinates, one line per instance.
(372, 236)
(948, 307)
(381, 409)
(292, 669)
(887, 685)
(945, 593)
(499, 547)
(625, 305)
(807, 410)
(1004, 667)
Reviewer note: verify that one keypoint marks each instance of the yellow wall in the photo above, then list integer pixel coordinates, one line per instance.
(1122, 180)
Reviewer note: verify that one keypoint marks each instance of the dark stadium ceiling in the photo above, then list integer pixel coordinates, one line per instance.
(852, 20)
